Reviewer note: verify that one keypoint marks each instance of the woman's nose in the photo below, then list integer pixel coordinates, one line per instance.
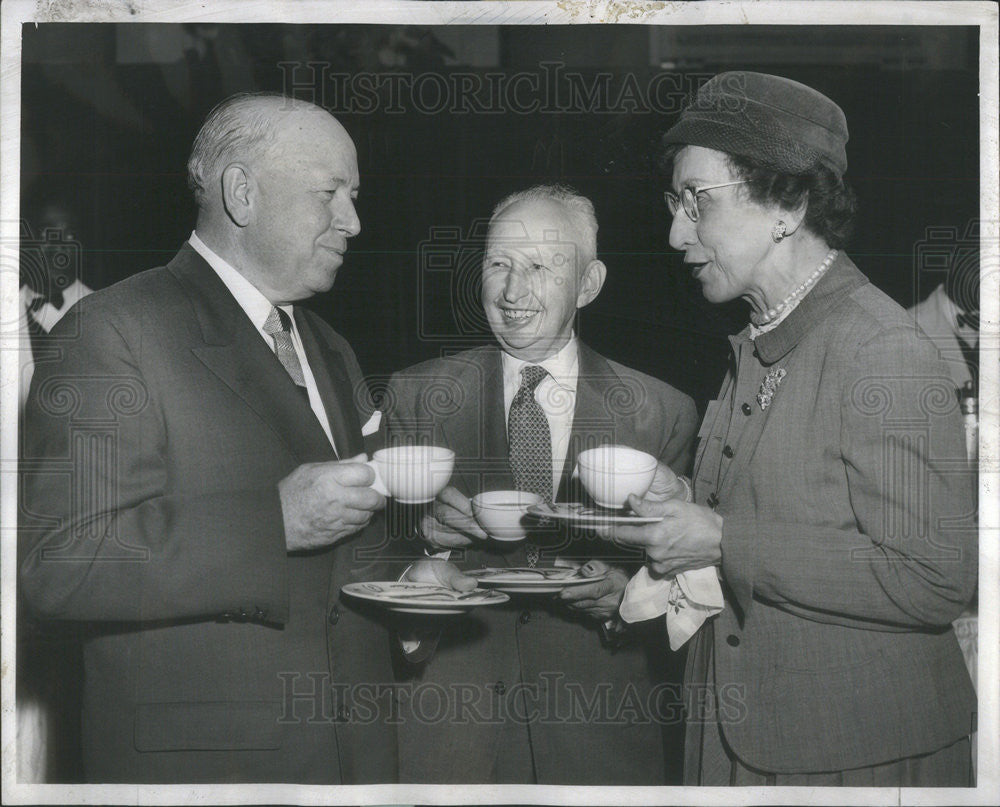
(683, 231)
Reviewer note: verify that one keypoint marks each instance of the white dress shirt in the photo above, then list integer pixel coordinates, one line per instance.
(257, 307)
(556, 394)
(46, 317)
(937, 317)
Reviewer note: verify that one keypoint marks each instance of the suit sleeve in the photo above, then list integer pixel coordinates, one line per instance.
(907, 554)
(678, 451)
(101, 537)
(399, 406)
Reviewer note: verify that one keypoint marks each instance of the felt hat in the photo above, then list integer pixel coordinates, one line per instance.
(783, 124)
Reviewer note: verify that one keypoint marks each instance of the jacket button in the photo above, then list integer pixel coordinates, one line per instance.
(499, 687)
(733, 640)
(334, 616)
(525, 617)
(745, 409)
(343, 715)
(728, 452)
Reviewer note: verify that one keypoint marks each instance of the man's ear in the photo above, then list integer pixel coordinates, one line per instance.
(591, 282)
(236, 187)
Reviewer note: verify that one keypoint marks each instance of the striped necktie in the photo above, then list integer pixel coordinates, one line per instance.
(279, 326)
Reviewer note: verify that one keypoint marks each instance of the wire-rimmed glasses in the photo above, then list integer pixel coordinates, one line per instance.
(689, 198)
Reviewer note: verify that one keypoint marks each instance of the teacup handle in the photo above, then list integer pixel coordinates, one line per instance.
(378, 485)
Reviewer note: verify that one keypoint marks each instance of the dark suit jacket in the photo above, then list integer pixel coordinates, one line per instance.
(458, 402)
(849, 542)
(152, 454)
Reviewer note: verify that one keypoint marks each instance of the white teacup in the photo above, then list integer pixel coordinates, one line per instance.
(501, 513)
(611, 473)
(412, 474)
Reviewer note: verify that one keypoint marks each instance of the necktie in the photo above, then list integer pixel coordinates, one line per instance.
(54, 296)
(530, 443)
(279, 326)
(970, 351)
(36, 333)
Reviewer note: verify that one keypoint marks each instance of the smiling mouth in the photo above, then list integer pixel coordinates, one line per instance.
(517, 314)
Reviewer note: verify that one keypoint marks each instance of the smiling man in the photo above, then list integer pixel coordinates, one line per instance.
(186, 478)
(541, 690)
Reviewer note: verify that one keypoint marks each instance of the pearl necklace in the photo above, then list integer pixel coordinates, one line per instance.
(773, 313)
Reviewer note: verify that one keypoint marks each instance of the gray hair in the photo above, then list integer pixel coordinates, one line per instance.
(239, 128)
(579, 210)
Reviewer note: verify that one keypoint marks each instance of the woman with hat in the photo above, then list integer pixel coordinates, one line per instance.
(829, 497)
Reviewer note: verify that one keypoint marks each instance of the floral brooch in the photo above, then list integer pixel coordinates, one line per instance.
(769, 386)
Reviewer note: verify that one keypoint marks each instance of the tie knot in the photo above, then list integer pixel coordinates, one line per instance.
(532, 376)
(277, 321)
(968, 319)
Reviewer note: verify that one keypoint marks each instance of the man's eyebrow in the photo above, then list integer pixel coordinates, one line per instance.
(336, 179)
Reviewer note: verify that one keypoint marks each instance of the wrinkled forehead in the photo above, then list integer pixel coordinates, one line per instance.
(311, 132)
(539, 227)
(696, 165)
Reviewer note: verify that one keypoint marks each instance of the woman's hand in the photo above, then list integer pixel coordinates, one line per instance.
(688, 537)
(665, 485)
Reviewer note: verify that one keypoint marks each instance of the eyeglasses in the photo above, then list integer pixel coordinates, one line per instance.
(689, 198)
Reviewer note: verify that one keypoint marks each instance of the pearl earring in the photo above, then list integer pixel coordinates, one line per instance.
(778, 232)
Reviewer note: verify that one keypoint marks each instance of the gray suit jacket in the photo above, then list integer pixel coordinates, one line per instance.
(849, 544)
(153, 450)
(458, 402)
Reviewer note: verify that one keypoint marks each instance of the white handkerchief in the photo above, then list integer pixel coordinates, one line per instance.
(372, 425)
(687, 599)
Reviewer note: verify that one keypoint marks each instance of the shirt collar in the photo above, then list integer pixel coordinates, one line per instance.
(249, 297)
(563, 366)
(71, 294)
(946, 307)
(839, 281)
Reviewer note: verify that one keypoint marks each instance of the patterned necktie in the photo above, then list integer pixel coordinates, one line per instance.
(530, 443)
(279, 326)
(36, 333)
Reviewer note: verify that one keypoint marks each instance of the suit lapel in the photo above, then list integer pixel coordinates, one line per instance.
(594, 423)
(477, 433)
(335, 389)
(234, 351)
(745, 437)
(775, 350)
(478, 429)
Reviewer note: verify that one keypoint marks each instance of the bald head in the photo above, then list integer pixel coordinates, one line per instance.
(276, 180)
(242, 128)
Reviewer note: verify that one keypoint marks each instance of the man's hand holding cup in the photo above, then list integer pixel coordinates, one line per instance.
(324, 502)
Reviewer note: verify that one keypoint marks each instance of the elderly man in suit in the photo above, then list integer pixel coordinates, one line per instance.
(535, 697)
(188, 487)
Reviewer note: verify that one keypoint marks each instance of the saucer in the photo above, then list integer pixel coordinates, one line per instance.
(422, 598)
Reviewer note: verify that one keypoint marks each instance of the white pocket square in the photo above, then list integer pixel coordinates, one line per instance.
(373, 424)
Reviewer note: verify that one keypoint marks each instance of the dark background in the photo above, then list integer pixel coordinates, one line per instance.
(109, 116)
